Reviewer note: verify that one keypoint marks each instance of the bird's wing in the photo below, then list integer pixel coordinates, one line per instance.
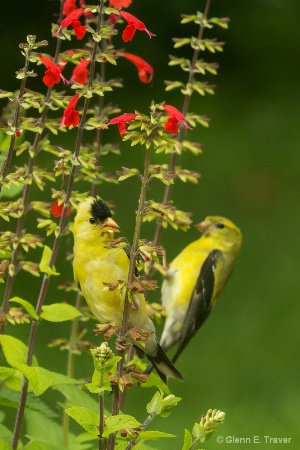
(201, 301)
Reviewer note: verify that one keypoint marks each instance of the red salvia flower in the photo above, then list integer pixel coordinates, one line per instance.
(72, 19)
(121, 121)
(69, 6)
(133, 24)
(57, 209)
(171, 125)
(80, 73)
(142, 66)
(53, 74)
(71, 116)
(79, 29)
(120, 3)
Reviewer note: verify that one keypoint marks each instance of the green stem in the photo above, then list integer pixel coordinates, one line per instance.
(144, 425)
(101, 415)
(185, 107)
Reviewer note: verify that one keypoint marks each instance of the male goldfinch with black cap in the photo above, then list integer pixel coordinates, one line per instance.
(97, 264)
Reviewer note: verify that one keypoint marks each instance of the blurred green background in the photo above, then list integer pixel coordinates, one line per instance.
(245, 360)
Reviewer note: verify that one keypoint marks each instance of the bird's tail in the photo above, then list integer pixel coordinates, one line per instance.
(163, 365)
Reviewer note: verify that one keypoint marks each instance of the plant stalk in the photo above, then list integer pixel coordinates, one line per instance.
(118, 402)
(167, 193)
(56, 245)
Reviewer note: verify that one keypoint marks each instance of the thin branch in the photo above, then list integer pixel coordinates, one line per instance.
(56, 245)
(144, 425)
(118, 402)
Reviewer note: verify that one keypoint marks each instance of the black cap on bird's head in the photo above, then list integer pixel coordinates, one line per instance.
(101, 213)
(100, 210)
(97, 214)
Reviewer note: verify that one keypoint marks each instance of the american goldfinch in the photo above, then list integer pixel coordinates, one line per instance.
(195, 280)
(97, 264)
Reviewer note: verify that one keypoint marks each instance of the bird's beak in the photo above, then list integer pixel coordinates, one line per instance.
(110, 226)
(202, 226)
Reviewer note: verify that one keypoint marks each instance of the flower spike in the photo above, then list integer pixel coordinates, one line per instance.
(133, 24)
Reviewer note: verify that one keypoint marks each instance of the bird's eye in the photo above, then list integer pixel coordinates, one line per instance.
(92, 220)
(220, 225)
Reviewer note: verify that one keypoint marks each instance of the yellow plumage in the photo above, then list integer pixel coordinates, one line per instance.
(196, 278)
(96, 264)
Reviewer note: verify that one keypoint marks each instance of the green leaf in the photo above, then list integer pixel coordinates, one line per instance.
(14, 350)
(78, 397)
(188, 440)
(59, 312)
(89, 420)
(59, 378)
(11, 191)
(44, 264)
(12, 378)
(46, 433)
(4, 445)
(199, 433)
(156, 404)
(120, 422)
(108, 366)
(39, 378)
(169, 403)
(39, 444)
(176, 84)
(6, 94)
(155, 380)
(6, 437)
(148, 435)
(27, 306)
(11, 399)
(94, 386)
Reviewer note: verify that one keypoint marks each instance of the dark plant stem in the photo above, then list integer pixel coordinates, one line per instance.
(185, 107)
(26, 192)
(56, 245)
(118, 402)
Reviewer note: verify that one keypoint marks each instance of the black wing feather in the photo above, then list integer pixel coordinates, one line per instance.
(200, 304)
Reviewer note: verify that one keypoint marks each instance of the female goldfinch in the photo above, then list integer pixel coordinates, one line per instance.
(96, 264)
(195, 280)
